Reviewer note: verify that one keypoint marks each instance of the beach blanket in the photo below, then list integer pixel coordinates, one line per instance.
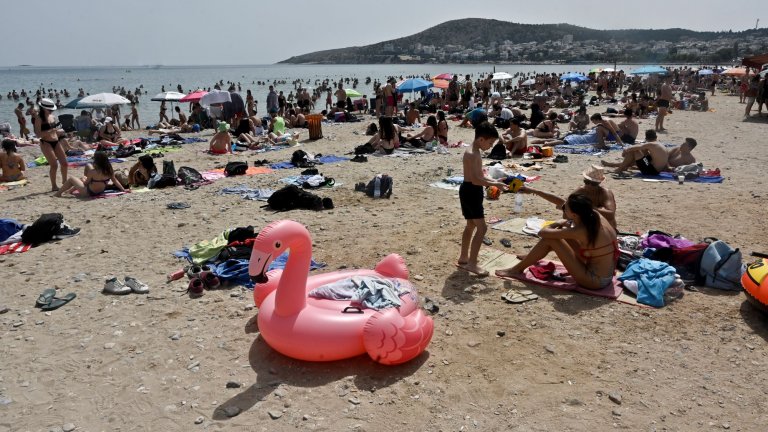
(109, 193)
(218, 173)
(13, 184)
(72, 161)
(17, 247)
(319, 160)
(528, 226)
(453, 183)
(248, 193)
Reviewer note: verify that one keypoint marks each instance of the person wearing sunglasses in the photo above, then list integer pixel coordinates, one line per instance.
(602, 198)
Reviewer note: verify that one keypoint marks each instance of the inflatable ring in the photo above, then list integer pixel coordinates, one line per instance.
(755, 284)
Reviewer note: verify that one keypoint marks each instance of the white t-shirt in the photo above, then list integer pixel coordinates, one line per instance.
(506, 114)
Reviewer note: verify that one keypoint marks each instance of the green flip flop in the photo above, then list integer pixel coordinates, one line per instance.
(45, 297)
(57, 302)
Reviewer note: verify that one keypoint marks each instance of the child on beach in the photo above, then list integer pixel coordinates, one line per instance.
(97, 176)
(471, 197)
(221, 141)
(11, 163)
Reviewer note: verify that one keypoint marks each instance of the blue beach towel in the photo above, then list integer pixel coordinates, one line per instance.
(668, 176)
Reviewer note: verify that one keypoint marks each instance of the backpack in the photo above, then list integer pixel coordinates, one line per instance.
(166, 179)
(300, 159)
(366, 148)
(123, 151)
(379, 187)
(721, 266)
(235, 168)
(498, 152)
(43, 229)
(189, 176)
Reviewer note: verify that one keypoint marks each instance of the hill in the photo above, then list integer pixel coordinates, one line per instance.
(481, 40)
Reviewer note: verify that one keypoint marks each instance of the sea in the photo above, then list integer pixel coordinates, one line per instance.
(152, 80)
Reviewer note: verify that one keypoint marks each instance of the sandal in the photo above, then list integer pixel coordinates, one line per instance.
(505, 242)
(57, 302)
(514, 296)
(45, 297)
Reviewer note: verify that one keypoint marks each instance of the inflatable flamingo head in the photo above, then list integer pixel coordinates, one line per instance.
(272, 241)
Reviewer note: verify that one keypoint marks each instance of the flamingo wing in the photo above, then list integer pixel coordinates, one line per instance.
(391, 339)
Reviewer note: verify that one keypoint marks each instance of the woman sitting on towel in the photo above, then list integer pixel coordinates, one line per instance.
(97, 176)
(427, 134)
(387, 139)
(585, 243)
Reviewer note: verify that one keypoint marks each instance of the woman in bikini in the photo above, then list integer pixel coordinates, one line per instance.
(585, 243)
(97, 176)
(387, 138)
(46, 129)
(109, 134)
(11, 164)
(442, 128)
(547, 128)
(427, 134)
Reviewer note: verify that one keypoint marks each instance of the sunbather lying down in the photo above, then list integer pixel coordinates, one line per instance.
(164, 131)
(286, 138)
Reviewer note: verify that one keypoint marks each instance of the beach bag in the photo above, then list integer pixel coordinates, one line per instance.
(379, 187)
(690, 172)
(125, 151)
(498, 152)
(166, 179)
(721, 266)
(189, 176)
(43, 229)
(293, 197)
(300, 159)
(235, 168)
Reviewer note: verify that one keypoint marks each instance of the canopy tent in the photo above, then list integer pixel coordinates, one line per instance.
(646, 70)
(755, 61)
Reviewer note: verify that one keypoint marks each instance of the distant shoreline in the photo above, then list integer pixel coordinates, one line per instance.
(338, 64)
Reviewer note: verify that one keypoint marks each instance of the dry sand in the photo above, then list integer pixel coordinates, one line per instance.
(111, 363)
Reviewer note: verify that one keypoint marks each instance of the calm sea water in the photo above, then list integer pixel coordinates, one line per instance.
(102, 79)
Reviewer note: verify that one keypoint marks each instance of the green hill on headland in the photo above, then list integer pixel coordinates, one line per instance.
(477, 40)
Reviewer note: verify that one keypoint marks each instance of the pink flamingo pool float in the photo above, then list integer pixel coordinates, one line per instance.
(313, 329)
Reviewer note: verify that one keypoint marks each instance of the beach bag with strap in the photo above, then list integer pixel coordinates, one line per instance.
(379, 187)
(43, 229)
(721, 266)
(189, 176)
(498, 152)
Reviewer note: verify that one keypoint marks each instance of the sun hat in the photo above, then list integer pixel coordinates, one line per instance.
(47, 104)
(223, 127)
(107, 119)
(594, 173)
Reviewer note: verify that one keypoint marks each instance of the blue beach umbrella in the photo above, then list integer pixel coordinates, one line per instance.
(414, 85)
(72, 104)
(572, 76)
(646, 70)
(706, 72)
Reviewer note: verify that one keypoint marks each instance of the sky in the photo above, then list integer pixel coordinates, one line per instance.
(248, 32)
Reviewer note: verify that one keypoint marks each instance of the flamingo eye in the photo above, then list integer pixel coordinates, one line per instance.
(277, 245)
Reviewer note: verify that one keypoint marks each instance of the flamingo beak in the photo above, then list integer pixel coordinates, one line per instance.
(260, 278)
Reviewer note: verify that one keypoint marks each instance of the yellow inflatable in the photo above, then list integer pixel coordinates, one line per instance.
(755, 283)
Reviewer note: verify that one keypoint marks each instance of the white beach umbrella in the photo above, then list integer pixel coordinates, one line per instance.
(169, 96)
(498, 76)
(215, 97)
(101, 100)
(528, 82)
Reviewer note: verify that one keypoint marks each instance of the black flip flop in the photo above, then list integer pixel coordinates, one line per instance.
(505, 242)
(59, 302)
(177, 206)
(45, 297)
(487, 241)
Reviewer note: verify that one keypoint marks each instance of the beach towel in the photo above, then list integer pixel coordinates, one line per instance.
(72, 161)
(12, 185)
(299, 180)
(17, 247)
(514, 225)
(668, 176)
(453, 183)
(218, 173)
(109, 193)
(248, 193)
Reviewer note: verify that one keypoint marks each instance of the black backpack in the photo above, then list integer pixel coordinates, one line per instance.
(379, 187)
(167, 179)
(235, 168)
(189, 176)
(43, 229)
(498, 152)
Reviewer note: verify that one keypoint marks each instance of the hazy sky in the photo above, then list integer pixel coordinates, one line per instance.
(184, 32)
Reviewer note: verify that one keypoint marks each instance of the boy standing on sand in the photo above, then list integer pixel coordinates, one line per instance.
(471, 197)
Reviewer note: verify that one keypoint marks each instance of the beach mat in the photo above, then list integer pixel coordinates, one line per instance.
(493, 259)
(17, 247)
(11, 185)
(514, 225)
(322, 160)
(668, 176)
(218, 173)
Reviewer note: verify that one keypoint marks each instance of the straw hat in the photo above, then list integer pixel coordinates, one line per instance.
(47, 104)
(594, 173)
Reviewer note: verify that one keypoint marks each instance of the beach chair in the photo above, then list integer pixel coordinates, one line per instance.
(83, 128)
(67, 122)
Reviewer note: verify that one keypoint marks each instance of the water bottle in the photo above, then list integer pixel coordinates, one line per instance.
(518, 203)
(234, 147)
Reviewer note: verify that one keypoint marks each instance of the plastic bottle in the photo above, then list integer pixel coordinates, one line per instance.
(518, 203)
(178, 274)
(234, 147)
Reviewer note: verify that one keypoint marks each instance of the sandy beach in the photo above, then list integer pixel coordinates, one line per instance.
(566, 361)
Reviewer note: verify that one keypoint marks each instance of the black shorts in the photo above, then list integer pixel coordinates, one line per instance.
(627, 139)
(471, 198)
(645, 165)
(663, 103)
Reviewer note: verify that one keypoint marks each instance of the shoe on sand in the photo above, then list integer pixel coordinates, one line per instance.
(136, 285)
(114, 286)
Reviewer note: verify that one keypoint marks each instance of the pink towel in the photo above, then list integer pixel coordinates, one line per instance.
(613, 291)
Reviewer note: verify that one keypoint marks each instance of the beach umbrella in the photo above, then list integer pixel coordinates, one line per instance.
(440, 83)
(735, 72)
(706, 72)
(498, 76)
(102, 100)
(194, 96)
(443, 76)
(645, 70)
(572, 76)
(413, 85)
(352, 93)
(215, 97)
(596, 70)
(169, 96)
(72, 104)
(528, 82)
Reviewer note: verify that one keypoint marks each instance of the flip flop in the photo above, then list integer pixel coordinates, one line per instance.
(514, 296)
(59, 302)
(487, 241)
(45, 297)
(505, 242)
